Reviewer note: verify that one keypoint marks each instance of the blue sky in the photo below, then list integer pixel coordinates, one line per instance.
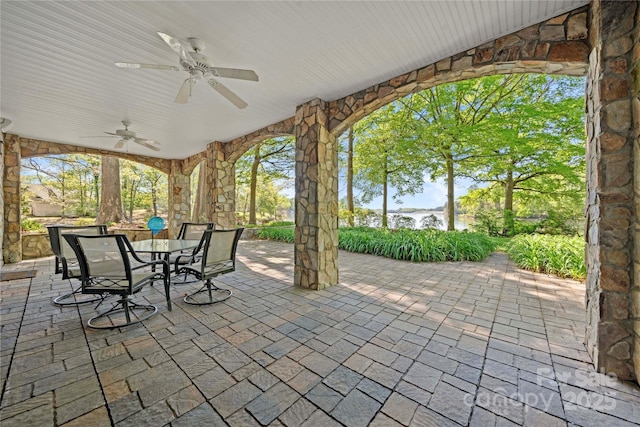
(433, 195)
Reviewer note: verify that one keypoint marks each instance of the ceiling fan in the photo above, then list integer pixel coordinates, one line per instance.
(127, 135)
(199, 67)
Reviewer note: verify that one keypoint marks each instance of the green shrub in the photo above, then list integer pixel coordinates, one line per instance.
(559, 255)
(279, 224)
(28, 224)
(85, 221)
(416, 245)
(280, 234)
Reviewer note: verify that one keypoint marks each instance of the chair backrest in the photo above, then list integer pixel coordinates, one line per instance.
(219, 254)
(194, 230)
(65, 255)
(104, 260)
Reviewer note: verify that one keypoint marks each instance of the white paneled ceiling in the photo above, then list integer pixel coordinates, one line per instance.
(59, 83)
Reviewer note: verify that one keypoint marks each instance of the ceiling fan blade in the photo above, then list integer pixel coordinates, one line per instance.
(234, 73)
(151, 66)
(111, 133)
(227, 93)
(97, 136)
(120, 144)
(177, 47)
(185, 91)
(155, 146)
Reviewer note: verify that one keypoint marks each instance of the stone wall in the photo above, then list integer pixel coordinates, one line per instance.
(610, 211)
(2, 194)
(316, 222)
(221, 187)
(179, 184)
(38, 245)
(635, 293)
(556, 46)
(11, 245)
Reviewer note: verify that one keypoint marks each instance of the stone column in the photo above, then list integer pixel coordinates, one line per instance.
(2, 194)
(635, 75)
(610, 210)
(316, 230)
(12, 236)
(221, 184)
(179, 198)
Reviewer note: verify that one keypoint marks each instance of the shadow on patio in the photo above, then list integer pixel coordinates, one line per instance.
(395, 343)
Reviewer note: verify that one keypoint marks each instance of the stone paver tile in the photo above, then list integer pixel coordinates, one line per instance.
(358, 363)
(125, 407)
(501, 371)
(324, 397)
(534, 417)
(304, 381)
(586, 417)
(341, 350)
(424, 417)
(400, 408)
(388, 377)
(185, 400)
(99, 417)
(343, 380)
(263, 379)
(79, 406)
(441, 363)
(281, 347)
(297, 413)
(269, 405)
(378, 354)
(319, 418)
(382, 420)
(357, 409)
(374, 389)
(28, 405)
(541, 398)
(285, 368)
(42, 415)
(74, 391)
(500, 405)
(242, 418)
(214, 382)
(232, 360)
(423, 376)
(155, 415)
(234, 398)
(203, 415)
(452, 402)
(413, 392)
(318, 363)
(468, 373)
(122, 372)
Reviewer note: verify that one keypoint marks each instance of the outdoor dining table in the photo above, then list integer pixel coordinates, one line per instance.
(163, 247)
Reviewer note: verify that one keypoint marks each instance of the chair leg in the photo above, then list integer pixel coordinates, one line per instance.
(74, 301)
(209, 288)
(127, 306)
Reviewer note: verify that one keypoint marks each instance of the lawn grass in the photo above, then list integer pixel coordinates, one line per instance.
(559, 255)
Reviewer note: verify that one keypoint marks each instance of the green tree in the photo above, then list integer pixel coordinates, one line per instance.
(444, 120)
(268, 163)
(532, 144)
(385, 157)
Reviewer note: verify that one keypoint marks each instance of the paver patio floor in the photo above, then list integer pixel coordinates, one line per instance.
(395, 343)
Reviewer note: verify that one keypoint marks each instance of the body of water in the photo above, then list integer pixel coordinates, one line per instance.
(460, 222)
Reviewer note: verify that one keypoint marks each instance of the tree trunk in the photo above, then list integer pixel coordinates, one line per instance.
(385, 179)
(508, 226)
(350, 206)
(200, 212)
(96, 190)
(253, 185)
(451, 204)
(111, 200)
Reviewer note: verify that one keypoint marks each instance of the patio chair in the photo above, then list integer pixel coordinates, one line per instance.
(66, 262)
(218, 257)
(106, 267)
(189, 231)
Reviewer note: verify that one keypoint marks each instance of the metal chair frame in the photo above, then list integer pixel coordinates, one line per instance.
(66, 261)
(189, 257)
(116, 275)
(214, 262)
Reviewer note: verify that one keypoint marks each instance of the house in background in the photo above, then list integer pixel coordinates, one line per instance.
(42, 201)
